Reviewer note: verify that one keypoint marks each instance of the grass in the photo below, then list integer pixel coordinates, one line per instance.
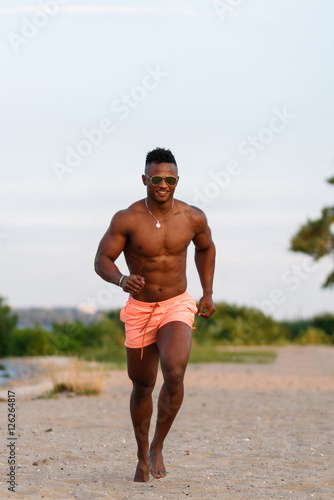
(80, 377)
(200, 353)
(214, 354)
(88, 377)
(47, 395)
(113, 356)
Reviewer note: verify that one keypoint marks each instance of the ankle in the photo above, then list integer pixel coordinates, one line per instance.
(156, 447)
(142, 454)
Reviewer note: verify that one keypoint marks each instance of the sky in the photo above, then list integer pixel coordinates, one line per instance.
(239, 90)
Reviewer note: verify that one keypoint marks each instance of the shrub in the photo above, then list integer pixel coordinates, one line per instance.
(8, 322)
(78, 376)
(325, 322)
(239, 326)
(26, 342)
(314, 336)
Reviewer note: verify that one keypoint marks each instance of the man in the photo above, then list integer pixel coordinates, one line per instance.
(154, 234)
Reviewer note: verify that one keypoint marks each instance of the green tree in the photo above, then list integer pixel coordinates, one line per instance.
(325, 322)
(8, 323)
(316, 238)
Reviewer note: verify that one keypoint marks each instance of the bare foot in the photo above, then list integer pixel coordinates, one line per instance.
(158, 469)
(142, 474)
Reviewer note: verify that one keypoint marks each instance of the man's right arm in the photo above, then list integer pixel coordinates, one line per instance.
(110, 247)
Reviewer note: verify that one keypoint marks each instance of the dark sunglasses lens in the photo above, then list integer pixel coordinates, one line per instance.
(171, 181)
(156, 179)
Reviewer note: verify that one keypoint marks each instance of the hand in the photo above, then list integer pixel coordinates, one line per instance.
(206, 303)
(133, 283)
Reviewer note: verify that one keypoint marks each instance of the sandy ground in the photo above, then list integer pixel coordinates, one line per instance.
(243, 432)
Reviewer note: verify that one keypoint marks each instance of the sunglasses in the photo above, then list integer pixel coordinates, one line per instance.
(156, 179)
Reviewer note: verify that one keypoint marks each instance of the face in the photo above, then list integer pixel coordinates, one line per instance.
(162, 192)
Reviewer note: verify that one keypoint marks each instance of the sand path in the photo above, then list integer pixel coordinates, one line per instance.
(244, 432)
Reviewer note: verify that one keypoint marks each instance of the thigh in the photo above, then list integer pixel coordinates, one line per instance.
(143, 371)
(174, 345)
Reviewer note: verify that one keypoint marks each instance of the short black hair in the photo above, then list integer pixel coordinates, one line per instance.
(159, 155)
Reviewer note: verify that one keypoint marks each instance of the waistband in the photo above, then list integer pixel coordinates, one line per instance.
(161, 302)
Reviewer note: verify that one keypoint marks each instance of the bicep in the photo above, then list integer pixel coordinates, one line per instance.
(114, 240)
(203, 239)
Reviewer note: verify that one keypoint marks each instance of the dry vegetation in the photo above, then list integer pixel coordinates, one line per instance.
(78, 376)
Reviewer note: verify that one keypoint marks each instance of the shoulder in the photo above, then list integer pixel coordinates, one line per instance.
(125, 219)
(196, 217)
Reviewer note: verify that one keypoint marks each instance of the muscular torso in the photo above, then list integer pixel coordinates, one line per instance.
(159, 254)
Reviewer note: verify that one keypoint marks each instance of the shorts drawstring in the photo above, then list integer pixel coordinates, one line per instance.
(154, 306)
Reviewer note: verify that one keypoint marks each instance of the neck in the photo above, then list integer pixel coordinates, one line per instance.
(160, 207)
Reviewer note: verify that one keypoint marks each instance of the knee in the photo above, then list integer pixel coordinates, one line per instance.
(141, 390)
(173, 378)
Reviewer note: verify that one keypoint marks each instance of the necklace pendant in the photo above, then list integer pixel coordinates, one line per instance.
(158, 224)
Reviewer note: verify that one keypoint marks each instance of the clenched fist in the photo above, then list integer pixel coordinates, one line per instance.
(133, 284)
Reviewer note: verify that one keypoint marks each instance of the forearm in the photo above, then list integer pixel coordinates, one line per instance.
(107, 269)
(205, 264)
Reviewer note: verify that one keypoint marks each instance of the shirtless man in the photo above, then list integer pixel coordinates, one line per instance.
(154, 234)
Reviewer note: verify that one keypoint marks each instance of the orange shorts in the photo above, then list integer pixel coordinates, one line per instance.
(143, 319)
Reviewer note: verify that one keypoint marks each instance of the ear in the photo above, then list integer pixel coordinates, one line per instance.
(144, 179)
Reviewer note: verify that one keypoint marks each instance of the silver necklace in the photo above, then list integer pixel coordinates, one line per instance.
(158, 225)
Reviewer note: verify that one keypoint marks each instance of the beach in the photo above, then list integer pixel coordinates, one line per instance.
(244, 431)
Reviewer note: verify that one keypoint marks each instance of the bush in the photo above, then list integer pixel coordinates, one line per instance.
(93, 335)
(100, 340)
(78, 376)
(104, 339)
(295, 327)
(325, 322)
(239, 326)
(314, 336)
(108, 330)
(27, 342)
(69, 337)
(8, 322)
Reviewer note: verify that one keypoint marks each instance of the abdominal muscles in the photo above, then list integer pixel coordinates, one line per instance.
(165, 276)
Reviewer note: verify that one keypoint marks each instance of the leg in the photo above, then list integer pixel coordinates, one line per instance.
(143, 374)
(174, 344)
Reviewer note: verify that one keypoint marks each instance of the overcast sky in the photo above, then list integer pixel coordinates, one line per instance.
(240, 91)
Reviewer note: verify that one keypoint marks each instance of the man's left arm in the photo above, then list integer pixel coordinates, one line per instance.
(205, 253)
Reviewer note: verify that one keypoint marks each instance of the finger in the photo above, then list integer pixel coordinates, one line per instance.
(138, 280)
(205, 310)
(127, 285)
(136, 287)
(201, 311)
(205, 314)
(133, 287)
(200, 308)
(209, 312)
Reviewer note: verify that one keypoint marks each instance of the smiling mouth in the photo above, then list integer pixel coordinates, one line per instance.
(162, 191)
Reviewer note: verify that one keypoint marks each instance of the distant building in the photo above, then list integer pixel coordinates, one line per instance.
(45, 317)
